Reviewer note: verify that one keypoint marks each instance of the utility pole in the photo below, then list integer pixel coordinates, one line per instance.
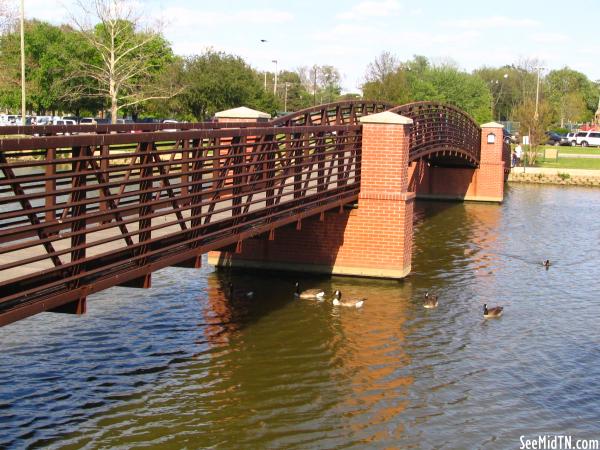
(23, 111)
(275, 84)
(314, 85)
(265, 41)
(285, 98)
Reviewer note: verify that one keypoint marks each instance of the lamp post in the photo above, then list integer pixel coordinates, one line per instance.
(287, 85)
(264, 41)
(497, 99)
(275, 83)
(537, 94)
(23, 112)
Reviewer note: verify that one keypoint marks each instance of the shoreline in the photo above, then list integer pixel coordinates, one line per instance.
(542, 175)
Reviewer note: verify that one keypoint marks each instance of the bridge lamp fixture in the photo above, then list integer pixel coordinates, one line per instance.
(491, 138)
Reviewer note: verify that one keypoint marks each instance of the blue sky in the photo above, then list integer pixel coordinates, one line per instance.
(349, 34)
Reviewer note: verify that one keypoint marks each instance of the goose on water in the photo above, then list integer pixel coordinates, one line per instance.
(354, 303)
(490, 313)
(431, 301)
(309, 294)
(239, 293)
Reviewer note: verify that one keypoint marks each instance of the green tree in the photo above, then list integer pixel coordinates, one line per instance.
(532, 125)
(569, 93)
(215, 81)
(419, 80)
(297, 95)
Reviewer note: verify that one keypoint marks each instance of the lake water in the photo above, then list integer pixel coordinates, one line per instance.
(181, 365)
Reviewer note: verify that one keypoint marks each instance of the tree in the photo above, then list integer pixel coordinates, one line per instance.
(8, 17)
(568, 92)
(129, 57)
(329, 82)
(322, 82)
(381, 67)
(419, 80)
(216, 81)
(534, 126)
(297, 95)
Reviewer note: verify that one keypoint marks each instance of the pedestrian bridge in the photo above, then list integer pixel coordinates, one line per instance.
(84, 208)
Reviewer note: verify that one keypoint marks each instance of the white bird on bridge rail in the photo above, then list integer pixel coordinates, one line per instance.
(309, 294)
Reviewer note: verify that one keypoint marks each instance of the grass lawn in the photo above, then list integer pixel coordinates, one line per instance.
(578, 150)
(571, 163)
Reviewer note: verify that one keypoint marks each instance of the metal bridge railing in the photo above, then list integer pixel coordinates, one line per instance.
(82, 213)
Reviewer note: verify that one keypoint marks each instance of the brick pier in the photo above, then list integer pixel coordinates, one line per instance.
(372, 240)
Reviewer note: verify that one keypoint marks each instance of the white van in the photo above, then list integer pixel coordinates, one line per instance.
(588, 138)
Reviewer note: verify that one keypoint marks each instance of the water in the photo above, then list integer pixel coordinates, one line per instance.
(180, 365)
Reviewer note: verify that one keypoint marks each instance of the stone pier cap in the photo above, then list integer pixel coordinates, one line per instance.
(386, 117)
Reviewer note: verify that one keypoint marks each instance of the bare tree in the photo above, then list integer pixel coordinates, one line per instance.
(8, 16)
(126, 69)
(384, 65)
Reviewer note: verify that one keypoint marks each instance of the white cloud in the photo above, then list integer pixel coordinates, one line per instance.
(491, 22)
(550, 38)
(371, 9)
(197, 17)
(52, 12)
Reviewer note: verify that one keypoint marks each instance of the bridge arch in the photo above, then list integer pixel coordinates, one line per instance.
(441, 133)
(337, 113)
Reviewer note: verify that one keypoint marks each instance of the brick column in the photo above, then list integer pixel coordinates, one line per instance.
(484, 183)
(490, 175)
(372, 240)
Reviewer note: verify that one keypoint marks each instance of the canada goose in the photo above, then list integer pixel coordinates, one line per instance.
(310, 294)
(337, 301)
(490, 313)
(546, 263)
(431, 301)
(237, 293)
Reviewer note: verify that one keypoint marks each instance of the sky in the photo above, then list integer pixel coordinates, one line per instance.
(351, 33)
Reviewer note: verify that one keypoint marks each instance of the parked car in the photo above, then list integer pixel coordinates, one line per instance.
(566, 139)
(553, 138)
(87, 121)
(508, 138)
(588, 138)
(65, 122)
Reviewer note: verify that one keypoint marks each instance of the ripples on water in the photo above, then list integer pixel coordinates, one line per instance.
(181, 365)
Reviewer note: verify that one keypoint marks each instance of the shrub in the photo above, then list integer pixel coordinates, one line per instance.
(564, 176)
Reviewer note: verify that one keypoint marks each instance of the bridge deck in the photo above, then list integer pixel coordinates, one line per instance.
(95, 211)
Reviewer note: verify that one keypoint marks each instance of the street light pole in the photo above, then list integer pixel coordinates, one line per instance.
(23, 112)
(275, 84)
(285, 100)
(537, 94)
(265, 41)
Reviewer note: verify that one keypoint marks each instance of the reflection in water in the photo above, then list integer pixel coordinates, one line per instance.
(185, 365)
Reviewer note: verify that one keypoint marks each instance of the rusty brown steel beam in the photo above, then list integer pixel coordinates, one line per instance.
(109, 208)
(251, 192)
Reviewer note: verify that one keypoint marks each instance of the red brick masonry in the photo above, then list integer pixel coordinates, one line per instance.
(372, 240)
